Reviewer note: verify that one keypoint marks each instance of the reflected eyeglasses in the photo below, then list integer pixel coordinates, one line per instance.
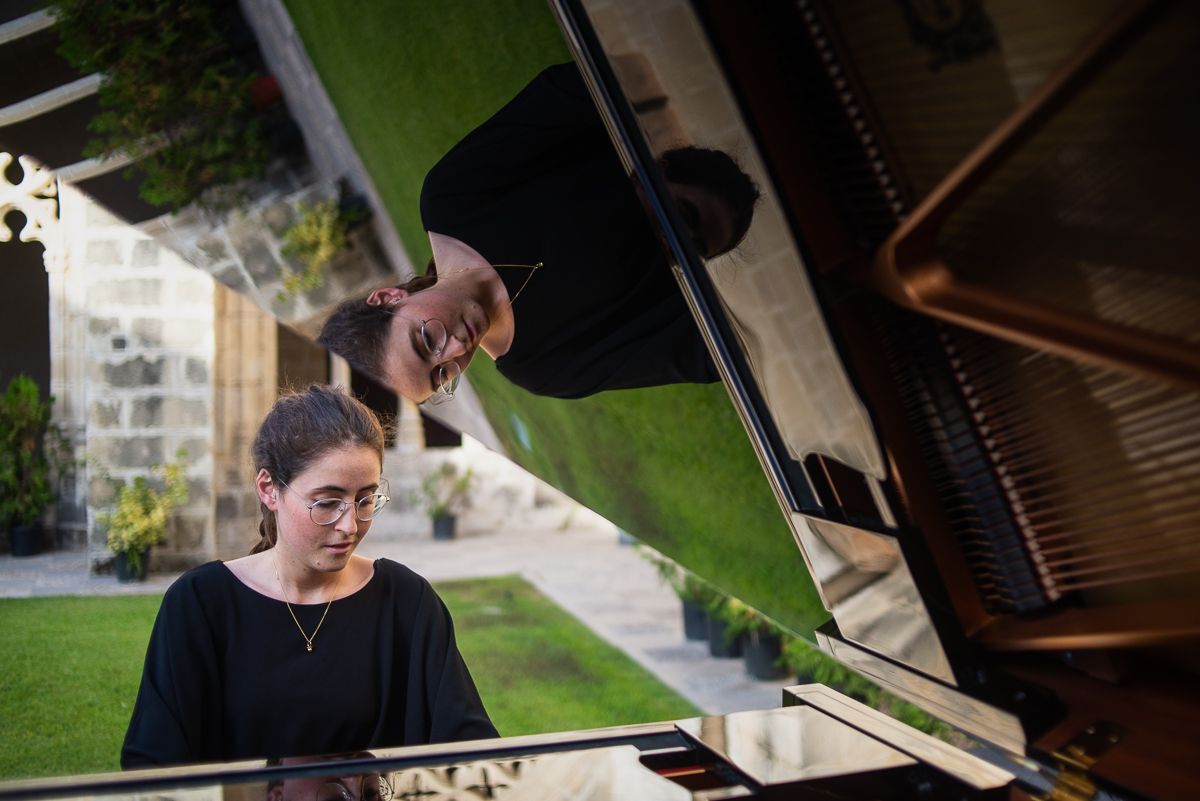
(327, 511)
(446, 375)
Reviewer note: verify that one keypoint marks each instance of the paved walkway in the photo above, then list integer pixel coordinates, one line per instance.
(583, 567)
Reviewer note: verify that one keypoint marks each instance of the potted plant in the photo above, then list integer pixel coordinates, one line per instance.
(31, 448)
(444, 492)
(140, 518)
(315, 239)
(695, 594)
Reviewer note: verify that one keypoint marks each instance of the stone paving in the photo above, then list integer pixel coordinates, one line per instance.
(582, 566)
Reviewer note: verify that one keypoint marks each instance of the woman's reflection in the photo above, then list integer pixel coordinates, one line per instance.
(546, 260)
(366, 786)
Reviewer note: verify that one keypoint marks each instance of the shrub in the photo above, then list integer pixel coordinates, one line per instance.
(140, 518)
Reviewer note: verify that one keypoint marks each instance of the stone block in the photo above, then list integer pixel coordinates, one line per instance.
(186, 413)
(257, 258)
(199, 494)
(228, 506)
(282, 308)
(146, 253)
(128, 292)
(186, 533)
(278, 217)
(232, 276)
(105, 414)
(102, 490)
(195, 370)
(182, 334)
(136, 372)
(131, 452)
(103, 251)
(148, 333)
(196, 448)
(212, 248)
(103, 326)
(146, 412)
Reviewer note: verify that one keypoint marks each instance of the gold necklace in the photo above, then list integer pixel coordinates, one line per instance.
(533, 268)
(308, 641)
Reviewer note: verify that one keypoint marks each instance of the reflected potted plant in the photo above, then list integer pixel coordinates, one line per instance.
(444, 492)
(728, 621)
(316, 239)
(140, 519)
(695, 594)
(762, 648)
(31, 452)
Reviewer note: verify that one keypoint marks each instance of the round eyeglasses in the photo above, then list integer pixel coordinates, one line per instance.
(446, 375)
(327, 511)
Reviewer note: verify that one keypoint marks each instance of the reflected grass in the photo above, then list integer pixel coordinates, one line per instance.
(671, 465)
(540, 670)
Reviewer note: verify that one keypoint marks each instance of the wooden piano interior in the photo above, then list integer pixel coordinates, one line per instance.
(1000, 201)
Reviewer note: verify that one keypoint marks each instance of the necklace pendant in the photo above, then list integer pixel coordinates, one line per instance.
(308, 647)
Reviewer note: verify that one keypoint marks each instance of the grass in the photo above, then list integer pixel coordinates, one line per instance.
(671, 465)
(70, 667)
(69, 671)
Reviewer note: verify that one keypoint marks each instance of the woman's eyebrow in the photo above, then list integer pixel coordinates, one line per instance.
(335, 488)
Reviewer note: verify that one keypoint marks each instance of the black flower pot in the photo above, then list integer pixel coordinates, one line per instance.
(720, 646)
(125, 569)
(695, 621)
(26, 540)
(761, 651)
(444, 527)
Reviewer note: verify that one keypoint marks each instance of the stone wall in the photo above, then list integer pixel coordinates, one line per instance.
(141, 371)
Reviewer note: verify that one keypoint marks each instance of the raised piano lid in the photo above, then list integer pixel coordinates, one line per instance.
(777, 324)
(764, 324)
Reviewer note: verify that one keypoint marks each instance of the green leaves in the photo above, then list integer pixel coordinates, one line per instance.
(142, 511)
(26, 468)
(315, 239)
(176, 94)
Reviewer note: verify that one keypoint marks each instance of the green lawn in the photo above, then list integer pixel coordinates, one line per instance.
(671, 465)
(70, 667)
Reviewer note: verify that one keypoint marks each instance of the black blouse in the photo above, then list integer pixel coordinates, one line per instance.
(540, 181)
(227, 674)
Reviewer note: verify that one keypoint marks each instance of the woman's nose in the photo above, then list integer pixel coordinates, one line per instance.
(348, 522)
(455, 347)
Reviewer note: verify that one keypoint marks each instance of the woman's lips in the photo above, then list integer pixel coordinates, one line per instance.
(343, 546)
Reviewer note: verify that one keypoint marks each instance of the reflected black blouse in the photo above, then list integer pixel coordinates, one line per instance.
(227, 674)
(541, 181)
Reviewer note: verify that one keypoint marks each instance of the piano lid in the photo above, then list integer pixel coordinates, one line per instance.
(960, 273)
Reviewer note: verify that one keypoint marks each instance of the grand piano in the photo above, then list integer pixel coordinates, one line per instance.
(964, 342)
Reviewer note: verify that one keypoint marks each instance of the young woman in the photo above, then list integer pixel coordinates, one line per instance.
(302, 647)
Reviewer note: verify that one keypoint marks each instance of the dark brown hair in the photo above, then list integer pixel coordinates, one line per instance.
(358, 332)
(717, 172)
(299, 429)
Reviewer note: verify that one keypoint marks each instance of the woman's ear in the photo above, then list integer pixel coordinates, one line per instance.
(387, 296)
(268, 492)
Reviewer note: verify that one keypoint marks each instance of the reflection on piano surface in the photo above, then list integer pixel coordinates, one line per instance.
(963, 340)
